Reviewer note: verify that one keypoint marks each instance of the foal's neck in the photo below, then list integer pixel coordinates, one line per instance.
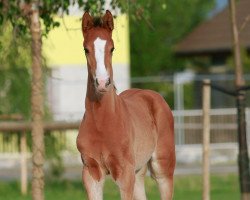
(104, 104)
(102, 110)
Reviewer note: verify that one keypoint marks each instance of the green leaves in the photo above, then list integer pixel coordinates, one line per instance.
(1, 19)
(156, 27)
(96, 8)
(14, 72)
(18, 15)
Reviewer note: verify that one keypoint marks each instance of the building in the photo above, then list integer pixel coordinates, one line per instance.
(213, 38)
(211, 43)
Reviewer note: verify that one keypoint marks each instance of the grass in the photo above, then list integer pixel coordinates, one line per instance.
(186, 187)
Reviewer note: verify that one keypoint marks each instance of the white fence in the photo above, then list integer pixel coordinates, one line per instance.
(188, 129)
(188, 126)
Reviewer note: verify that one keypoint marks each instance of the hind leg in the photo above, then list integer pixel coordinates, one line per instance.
(139, 189)
(162, 163)
(162, 172)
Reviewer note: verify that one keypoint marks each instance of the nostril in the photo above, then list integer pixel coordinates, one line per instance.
(96, 81)
(108, 82)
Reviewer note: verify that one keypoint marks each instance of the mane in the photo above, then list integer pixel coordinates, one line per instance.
(98, 22)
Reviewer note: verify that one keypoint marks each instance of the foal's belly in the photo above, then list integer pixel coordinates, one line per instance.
(144, 145)
(143, 156)
(145, 135)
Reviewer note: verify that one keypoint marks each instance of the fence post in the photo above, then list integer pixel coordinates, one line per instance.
(24, 169)
(206, 96)
(248, 125)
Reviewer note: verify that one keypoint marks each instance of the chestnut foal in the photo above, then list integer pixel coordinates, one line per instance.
(121, 135)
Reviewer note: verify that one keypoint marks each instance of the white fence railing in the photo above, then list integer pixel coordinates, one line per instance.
(188, 129)
(188, 126)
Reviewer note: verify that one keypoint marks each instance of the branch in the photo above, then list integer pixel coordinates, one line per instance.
(5, 6)
(246, 20)
(25, 8)
(140, 15)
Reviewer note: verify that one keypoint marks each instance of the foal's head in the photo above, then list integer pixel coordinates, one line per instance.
(98, 46)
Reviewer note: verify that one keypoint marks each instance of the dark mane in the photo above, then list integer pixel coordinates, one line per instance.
(98, 22)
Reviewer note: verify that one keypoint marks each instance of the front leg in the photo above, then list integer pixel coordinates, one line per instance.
(126, 185)
(93, 186)
(125, 180)
(122, 171)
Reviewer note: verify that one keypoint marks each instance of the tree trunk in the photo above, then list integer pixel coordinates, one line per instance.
(37, 106)
(243, 159)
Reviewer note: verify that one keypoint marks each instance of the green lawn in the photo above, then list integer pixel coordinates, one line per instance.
(186, 187)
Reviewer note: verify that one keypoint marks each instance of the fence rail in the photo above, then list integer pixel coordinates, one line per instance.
(223, 127)
(26, 126)
(188, 126)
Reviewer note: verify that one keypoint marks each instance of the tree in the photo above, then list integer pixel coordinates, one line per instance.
(243, 158)
(161, 24)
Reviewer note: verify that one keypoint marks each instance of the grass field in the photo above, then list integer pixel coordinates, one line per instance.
(186, 188)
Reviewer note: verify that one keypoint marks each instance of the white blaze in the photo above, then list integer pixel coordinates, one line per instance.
(101, 72)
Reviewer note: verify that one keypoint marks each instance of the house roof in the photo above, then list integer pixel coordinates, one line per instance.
(215, 35)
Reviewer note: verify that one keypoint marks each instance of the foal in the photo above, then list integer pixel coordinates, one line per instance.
(121, 135)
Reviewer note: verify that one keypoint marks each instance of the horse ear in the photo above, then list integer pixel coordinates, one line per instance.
(87, 22)
(108, 22)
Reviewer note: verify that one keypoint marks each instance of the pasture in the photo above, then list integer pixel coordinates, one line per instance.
(186, 187)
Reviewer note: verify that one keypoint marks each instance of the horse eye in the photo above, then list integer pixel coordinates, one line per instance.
(112, 50)
(86, 50)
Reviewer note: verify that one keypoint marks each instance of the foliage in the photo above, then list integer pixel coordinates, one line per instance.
(153, 38)
(17, 11)
(245, 61)
(164, 88)
(14, 73)
(53, 152)
(55, 144)
(187, 187)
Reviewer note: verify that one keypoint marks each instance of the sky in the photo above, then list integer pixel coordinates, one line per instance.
(220, 4)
